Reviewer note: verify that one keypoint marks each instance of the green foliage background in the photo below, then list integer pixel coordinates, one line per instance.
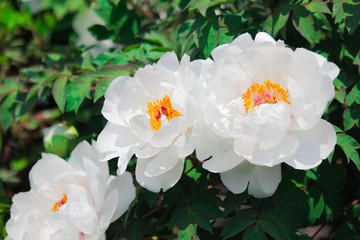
(46, 77)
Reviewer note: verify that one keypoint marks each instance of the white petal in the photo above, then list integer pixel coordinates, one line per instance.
(244, 148)
(264, 37)
(167, 133)
(264, 181)
(276, 155)
(315, 144)
(164, 181)
(120, 101)
(114, 137)
(80, 209)
(46, 169)
(162, 162)
(146, 151)
(208, 143)
(267, 125)
(223, 161)
(126, 193)
(140, 126)
(170, 61)
(83, 153)
(237, 179)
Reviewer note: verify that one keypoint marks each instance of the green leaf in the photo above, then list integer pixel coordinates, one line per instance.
(278, 21)
(347, 231)
(59, 92)
(137, 230)
(234, 201)
(201, 5)
(210, 38)
(196, 206)
(239, 223)
(318, 6)
(316, 203)
(188, 215)
(331, 177)
(340, 94)
(101, 87)
(338, 11)
(100, 32)
(304, 23)
(254, 232)
(352, 18)
(355, 92)
(103, 10)
(351, 117)
(86, 63)
(272, 228)
(349, 145)
(160, 38)
(188, 233)
(333, 206)
(34, 90)
(113, 71)
(76, 93)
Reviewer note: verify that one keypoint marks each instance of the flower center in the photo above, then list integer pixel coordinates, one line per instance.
(158, 109)
(57, 205)
(268, 92)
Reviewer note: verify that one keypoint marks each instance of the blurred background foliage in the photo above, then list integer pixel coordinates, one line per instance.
(57, 58)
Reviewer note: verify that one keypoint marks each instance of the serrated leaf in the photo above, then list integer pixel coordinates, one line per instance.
(318, 6)
(349, 145)
(352, 18)
(340, 94)
(101, 88)
(355, 92)
(234, 201)
(112, 71)
(316, 203)
(278, 21)
(338, 11)
(304, 24)
(239, 223)
(188, 215)
(59, 92)
(351, 117)
(76, 93)
(333, 206)
(254, 232)
(271, 228)
(188, 233)
(201, 5)
(349, 100)
(136, 231)
(210, 38)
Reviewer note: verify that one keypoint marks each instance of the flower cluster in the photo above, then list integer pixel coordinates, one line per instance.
(70, 200)
(254, 105)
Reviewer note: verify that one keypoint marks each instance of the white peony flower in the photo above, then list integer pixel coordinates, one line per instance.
(264, 108)
(153, 115)
(70, 200)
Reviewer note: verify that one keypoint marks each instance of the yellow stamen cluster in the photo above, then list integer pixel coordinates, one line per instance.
(268, 92)
(57, 205)
(159, 108)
